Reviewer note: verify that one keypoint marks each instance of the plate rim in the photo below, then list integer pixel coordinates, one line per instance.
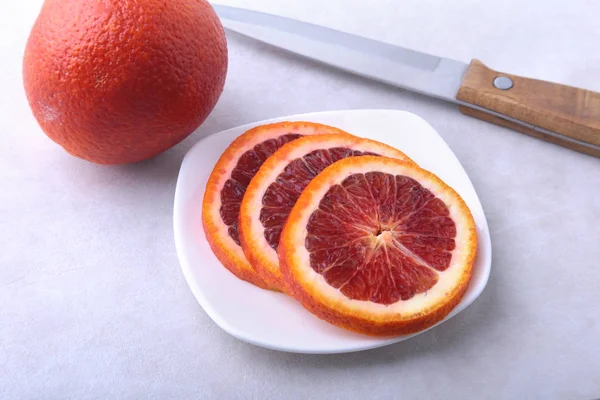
(185, 264)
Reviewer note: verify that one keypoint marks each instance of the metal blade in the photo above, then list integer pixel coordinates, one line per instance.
(404, 68)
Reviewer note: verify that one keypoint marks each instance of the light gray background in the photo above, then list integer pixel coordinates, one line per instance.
(92, 300)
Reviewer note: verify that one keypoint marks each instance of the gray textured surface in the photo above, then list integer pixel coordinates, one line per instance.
(93, 303)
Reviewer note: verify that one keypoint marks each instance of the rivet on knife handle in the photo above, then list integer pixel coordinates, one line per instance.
(568, 111)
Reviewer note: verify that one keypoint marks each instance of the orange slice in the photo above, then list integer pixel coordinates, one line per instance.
(378, 246)
(227, 184)
(278, 184)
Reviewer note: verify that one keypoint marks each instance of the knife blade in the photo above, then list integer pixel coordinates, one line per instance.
(557, 113)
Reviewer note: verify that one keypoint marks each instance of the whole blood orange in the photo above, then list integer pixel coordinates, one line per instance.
(378, 246)
(279, 182)
(228, 182)
(119, 81)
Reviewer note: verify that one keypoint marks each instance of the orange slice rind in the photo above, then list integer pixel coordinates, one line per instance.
(228, 181)
(279, 182)
(374, 260)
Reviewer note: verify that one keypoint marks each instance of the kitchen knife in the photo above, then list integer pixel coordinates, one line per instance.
(557, 113)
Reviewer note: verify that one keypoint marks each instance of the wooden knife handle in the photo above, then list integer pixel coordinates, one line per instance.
(562, 109)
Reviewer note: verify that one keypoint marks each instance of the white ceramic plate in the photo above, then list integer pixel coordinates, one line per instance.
(274, 320)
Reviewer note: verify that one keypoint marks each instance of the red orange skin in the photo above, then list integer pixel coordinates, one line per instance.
(120, 81)
(363, 325)
(256, 261)
(231, 262)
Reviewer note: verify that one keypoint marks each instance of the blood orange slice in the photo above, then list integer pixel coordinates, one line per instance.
(227, 184)
(279, 182)
(378, 246)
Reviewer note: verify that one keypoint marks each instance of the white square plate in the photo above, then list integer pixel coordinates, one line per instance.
(273, 320)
